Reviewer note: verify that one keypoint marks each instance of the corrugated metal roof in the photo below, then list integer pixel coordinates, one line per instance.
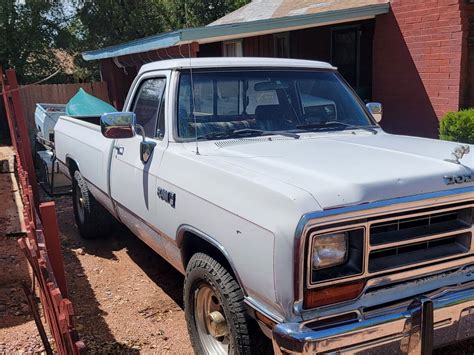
(220, 32)
(268, 9)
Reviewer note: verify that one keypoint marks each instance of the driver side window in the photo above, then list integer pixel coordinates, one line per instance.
(149, 107)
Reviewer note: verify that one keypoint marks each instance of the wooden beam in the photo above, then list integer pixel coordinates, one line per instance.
(22, 140)
(53, 244)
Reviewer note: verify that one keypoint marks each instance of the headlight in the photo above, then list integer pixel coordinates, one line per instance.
(329, 250)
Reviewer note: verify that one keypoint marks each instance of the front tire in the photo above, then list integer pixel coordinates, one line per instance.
(215, 312)
(92, 219)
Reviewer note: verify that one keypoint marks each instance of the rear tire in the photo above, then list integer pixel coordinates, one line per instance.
(92, 219)
(217, 320)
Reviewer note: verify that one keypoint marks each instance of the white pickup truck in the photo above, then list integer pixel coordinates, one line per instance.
(270, 185)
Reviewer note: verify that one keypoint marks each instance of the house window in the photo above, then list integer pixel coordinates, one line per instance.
(232, 48)
(281, 45)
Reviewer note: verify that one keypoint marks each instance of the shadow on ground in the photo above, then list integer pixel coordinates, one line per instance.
(13, 265)
(92, 301)
(14, 308)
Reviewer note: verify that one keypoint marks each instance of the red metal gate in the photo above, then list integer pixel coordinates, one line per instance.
(41, 244)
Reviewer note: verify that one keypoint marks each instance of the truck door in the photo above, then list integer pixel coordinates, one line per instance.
(133, 183)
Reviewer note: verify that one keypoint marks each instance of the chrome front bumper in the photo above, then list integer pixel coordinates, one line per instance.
(442, 318)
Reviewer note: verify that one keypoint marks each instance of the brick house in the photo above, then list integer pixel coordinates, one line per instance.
(416, 57)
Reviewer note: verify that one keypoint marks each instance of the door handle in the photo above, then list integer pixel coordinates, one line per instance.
(119, 149)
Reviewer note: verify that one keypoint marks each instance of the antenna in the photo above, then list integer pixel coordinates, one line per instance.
(192, 81)
(192, 98)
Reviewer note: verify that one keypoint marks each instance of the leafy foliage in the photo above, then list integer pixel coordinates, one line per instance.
(106, 23)
(194, 13)
(458, 126)
(38, 37)
(27, 32)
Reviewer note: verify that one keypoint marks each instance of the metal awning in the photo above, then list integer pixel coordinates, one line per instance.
(216, 33)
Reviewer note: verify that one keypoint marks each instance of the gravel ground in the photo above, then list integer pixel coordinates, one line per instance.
(128, 299)
(18, 333)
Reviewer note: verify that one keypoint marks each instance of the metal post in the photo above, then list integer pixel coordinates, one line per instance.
(34, 311)
(53, 244)
(19, 118)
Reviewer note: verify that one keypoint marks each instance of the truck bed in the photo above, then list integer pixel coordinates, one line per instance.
(80, 139)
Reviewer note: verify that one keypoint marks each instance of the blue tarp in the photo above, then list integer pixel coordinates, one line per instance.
(85, 105)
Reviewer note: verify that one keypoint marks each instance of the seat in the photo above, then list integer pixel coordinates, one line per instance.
(273, 118)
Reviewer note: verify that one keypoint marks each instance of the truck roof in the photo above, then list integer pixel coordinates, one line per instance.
(227, 62)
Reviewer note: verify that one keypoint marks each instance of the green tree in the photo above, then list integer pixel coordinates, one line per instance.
(38, 37)
(106, 23)
(27, 38)
(193, 13)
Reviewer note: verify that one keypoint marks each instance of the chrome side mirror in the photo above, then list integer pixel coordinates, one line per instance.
(375, 108)
(118, 125)
(146, 147)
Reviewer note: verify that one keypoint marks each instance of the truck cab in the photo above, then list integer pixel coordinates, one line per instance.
(295, 218)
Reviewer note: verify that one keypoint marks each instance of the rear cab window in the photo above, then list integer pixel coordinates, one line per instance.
(149, 106)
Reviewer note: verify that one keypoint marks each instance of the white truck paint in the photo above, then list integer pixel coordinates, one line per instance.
(46, 116)
(254, 198)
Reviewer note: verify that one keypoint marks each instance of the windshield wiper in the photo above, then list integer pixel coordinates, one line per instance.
(246, 132)
(261, 132)
(320, 126)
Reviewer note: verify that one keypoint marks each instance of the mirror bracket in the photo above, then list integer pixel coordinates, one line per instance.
(146, 147)
(146, 150)
(141, 131)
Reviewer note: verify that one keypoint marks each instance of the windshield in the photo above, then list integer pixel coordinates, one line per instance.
(265, 102)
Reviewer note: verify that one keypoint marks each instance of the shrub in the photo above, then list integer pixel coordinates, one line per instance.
(458, 127)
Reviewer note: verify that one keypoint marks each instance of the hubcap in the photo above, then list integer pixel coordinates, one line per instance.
(211, 324)
(216, 324)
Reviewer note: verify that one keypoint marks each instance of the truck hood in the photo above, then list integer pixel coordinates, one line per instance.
(341, 169)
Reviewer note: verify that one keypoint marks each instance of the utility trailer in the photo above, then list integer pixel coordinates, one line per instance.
(82, 105)
(50, 177)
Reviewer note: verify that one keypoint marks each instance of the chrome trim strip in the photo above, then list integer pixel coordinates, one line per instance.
(420, 239)
(259, 307)
(153, 228)
(398, 328)
(408, 275)
(346, 214)
(421, 214)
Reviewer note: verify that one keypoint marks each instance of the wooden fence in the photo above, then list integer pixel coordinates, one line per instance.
(55, 94)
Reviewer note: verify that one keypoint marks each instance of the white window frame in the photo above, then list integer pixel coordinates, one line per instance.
(238, 48)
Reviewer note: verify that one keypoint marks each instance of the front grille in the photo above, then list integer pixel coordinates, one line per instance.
(409, 239)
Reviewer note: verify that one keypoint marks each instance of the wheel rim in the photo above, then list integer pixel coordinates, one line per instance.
(80, 205)
(210, 321)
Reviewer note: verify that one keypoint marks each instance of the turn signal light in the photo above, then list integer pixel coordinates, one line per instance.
(332, 294)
